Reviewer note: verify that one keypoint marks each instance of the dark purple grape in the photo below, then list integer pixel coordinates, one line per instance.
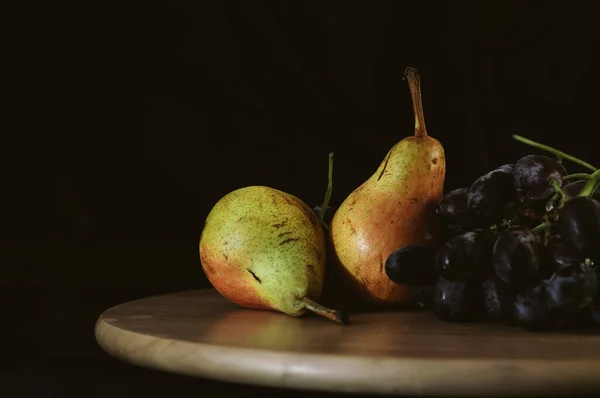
(516, 257)
(547, 264)
(531, 213)
(422, 296)
(579, 226)
(561, 253)
(454, 212)
(466, 257)
(490, 195)
(498, 298)
(533, 175)
(572, 189)
(412, 265)
(453, 206)
(531, 310)
(455, 301)
(571, 288)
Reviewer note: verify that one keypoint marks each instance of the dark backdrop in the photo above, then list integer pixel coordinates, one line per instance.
(126, 121)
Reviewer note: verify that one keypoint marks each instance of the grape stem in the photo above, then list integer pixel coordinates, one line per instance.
(559, 191)
(592, 185)
(328, 192)
(542, 227)
(577, 176)
(556, 152)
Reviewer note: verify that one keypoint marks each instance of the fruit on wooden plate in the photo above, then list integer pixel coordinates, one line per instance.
(498, 265)
(391, 209)
(262, 248)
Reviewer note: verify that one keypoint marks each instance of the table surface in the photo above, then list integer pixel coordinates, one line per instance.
(198, 333)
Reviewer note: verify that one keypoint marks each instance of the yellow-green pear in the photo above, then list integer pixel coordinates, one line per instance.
(262, 248)
(392, 209)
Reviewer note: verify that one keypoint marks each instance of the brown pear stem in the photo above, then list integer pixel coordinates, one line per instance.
(334, 315)
(414, 83)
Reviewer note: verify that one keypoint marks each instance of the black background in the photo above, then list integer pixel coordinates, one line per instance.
(126, 121)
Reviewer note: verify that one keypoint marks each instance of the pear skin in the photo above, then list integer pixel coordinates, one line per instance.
(392, 209)
(264, 249)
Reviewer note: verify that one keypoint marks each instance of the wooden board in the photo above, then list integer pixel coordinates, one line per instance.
(199, 333)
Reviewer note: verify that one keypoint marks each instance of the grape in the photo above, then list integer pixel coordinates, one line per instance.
(533, 175)
(412, 265)
(467, 256)
(422, 295)
(516, 256)
(489, 196)
(498, 299)
(560, 253)
(453, 206)
(579, 225)
(572, 189)
(454, 301)
(531, 213)
(454, 212)
(571, 288)
(548, 265)
(531, 310)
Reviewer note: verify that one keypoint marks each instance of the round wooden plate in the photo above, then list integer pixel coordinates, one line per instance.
(199, 333)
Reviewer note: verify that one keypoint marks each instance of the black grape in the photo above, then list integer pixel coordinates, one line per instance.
(560, 253)
(490, 195)
(572, 189)
(467, 256)
(412, 265)
(531, 213)
(498, 298)
(455, 301)
(516, 256)
(548, 265)
(422, 296)
(571, 288)
(579, 226)
(531, 310)
(454, 212)
(533, 175)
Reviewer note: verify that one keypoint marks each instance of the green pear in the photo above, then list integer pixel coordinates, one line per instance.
(264, 249)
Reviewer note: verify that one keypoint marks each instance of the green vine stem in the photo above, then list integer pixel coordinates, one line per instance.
(559, 192)
(577, 176)
(559, 154)
(592, 185)
(542, 227)
(329, 190)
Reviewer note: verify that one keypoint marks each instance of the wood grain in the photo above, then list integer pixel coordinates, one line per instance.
(198, 333)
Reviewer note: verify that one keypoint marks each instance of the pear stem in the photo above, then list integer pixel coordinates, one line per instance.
(329, 189)
(559, 154)
(334, 315)
(414, 83)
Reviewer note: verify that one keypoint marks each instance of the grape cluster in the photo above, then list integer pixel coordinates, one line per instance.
(518, 247)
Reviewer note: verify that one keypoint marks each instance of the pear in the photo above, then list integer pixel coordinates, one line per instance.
(264, 249)
(392, 209)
